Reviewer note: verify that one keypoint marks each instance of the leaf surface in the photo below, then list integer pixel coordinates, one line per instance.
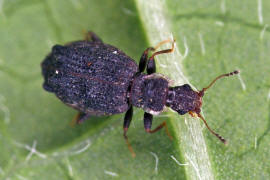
(212, 37)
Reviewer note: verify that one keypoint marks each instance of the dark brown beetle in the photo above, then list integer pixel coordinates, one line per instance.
(98, 79)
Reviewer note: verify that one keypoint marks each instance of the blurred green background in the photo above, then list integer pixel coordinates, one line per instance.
(220, 36)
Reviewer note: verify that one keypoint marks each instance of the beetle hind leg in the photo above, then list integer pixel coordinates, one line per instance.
(79, 118)
(91, 36)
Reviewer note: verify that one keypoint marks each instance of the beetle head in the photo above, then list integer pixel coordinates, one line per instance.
(183, 99)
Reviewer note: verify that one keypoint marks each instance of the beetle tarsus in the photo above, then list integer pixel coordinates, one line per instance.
(128, 144)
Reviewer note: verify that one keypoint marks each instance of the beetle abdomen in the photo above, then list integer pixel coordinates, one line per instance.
(89, 76)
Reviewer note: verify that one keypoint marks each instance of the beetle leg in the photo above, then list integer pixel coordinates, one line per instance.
(127, 120)
(151, 65)
(143, 59)
(79, 118)
(148, 124)
(91, 36)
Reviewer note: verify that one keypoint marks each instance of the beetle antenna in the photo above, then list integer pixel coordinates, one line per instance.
(201, 93)
(213, 132)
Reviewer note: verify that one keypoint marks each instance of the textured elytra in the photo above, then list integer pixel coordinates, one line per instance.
(92, 77)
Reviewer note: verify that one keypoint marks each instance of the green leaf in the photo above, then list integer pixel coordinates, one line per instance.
(212, 37)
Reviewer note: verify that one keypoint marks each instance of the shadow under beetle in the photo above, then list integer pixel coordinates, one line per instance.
(98, 79)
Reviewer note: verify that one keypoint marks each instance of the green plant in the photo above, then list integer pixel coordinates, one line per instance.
(217, 36)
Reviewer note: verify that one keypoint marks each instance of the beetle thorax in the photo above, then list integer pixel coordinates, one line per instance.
(149, 92)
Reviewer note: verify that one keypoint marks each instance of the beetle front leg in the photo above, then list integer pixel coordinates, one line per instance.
(151, 65)
(144, 58)
(148, 118)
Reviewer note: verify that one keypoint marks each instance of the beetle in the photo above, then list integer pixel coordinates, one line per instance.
(98, 79)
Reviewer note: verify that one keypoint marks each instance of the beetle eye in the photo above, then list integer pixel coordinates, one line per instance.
(186, 87)
(182, 112)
